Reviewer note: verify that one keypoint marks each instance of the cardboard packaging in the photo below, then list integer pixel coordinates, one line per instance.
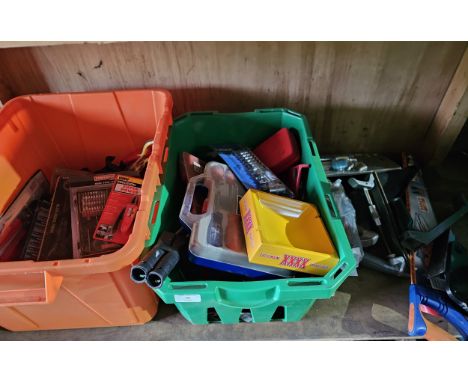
(286, 233)
(116, 222)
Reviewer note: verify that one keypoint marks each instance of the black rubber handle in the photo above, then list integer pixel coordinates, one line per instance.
(164, 267)
(140, 271)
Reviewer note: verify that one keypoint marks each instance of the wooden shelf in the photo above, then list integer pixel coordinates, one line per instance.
(30, 44)
(371, 306)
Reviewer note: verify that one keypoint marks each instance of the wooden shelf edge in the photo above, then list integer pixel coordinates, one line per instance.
(29, 44)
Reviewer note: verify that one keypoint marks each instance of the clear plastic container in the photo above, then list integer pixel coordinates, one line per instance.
(217, 239)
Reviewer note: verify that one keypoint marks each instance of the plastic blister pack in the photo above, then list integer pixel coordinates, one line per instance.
(252, 172)
(348, 217)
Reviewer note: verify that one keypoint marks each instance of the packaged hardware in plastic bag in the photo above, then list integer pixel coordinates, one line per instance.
(348, 218)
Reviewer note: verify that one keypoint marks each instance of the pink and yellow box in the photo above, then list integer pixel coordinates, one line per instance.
(286, 233)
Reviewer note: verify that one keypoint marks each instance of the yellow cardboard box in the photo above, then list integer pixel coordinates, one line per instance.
(286, 233)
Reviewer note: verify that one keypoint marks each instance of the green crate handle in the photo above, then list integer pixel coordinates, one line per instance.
(154, 210)
(276, 110)
(331, 206)
(194, 113)
(153, 215)
(268, 110)
(230, 296)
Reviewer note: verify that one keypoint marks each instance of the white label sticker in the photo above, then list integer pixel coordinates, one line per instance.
(187, 298)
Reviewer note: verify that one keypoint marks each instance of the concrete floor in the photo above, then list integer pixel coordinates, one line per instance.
(371, 306)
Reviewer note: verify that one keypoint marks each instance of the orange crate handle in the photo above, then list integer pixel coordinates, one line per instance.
(37, 288)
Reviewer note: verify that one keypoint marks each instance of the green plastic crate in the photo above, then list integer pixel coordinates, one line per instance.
(282, 299)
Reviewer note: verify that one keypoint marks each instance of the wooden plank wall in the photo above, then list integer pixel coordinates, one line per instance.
(451, 115)
(357, 96)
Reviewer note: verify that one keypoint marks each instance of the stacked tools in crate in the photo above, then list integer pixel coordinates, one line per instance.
(84, 214)
(243, 219)
(255, 216)
(52, 146)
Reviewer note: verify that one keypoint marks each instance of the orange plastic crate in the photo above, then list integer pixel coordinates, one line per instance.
(77, 130)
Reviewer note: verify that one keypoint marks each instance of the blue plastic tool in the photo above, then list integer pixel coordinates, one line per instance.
(423, 296)
(419, 295)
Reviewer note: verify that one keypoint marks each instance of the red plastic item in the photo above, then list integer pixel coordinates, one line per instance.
(295, 178)
(11, 247)
(120, 210)
(190, 166)
(128, 218)
(279, 152)
(9, 232)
